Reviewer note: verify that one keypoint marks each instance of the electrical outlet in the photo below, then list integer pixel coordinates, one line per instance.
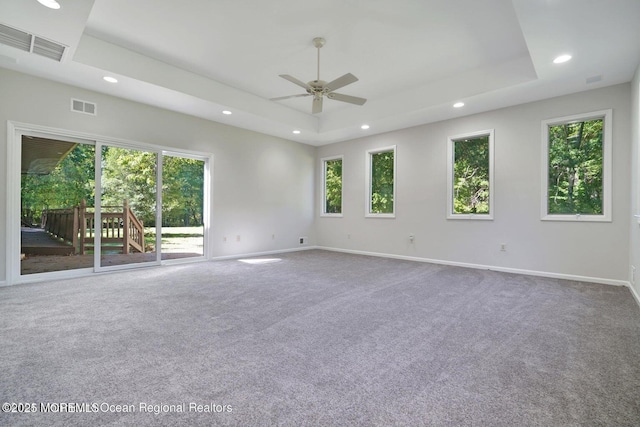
(411, 237)
(273, 237)
(303, 240)
(503, 247)
(224, 239)
(238, 238)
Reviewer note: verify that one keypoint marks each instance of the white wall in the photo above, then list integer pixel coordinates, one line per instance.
(591, 250)
(265, 186)
(634, 235)
(262, 185)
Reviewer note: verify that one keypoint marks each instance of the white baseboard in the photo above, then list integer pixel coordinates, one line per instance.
(635, 294)
(3, 283)
(486, 267)
(265, 253)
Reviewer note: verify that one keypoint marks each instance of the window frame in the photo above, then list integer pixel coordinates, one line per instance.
(607, 163)
(323, 195)
(451, 140)
(369, 181)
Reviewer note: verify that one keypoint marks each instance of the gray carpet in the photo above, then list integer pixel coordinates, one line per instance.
(321, 339)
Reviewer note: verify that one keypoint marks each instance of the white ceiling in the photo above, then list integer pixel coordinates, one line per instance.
(413, 58)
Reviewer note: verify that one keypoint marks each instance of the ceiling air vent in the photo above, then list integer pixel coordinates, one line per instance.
(31, 43)
(84, 107)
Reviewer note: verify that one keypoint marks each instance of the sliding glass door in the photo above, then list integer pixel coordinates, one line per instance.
(81, 203)
(128, 198)
(57, 189)
(182, 206)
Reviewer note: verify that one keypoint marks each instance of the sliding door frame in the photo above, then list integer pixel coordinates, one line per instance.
(15, 131)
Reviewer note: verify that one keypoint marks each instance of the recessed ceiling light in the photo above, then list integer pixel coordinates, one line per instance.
(51, 4)
(227, 112)
(458, 105)
(110, 79)
(296, 131)
(364, 127)
(562, 58)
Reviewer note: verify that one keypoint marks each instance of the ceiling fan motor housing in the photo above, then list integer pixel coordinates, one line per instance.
(317, 87)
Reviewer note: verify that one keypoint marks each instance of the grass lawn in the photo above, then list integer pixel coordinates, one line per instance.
(178, 239)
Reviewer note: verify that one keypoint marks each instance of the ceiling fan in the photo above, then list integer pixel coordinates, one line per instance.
(319, 88)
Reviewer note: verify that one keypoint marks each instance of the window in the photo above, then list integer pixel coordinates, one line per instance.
(332, 186)
(381, 177)
(470, 176)
(576, 167)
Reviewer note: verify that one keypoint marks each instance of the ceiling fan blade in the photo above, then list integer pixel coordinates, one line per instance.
(346, 98)
(296, 81)
(280, 98)
(316, 107)
(341, 81)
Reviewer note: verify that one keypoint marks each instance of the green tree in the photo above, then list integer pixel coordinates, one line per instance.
(471, 176)
(182, 191)
(382, 173)
(71, 181)
(333, 186)
(575, 181)
(131, 175)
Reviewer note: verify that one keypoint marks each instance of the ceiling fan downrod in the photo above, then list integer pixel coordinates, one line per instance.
(318, 42)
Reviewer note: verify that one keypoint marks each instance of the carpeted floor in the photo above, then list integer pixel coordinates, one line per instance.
(320, 339)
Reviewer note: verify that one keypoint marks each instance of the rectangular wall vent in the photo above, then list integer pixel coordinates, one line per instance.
(31, 43)
(84, 107)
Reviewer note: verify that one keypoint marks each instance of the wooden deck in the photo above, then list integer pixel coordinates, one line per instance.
(36, 241)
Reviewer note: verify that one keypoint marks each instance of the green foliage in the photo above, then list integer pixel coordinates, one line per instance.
(182, 192)
(130, 175)
(333, 186)
(471, 176)
(575, 168)
(67, 185)
(126, 174)
(382, 182)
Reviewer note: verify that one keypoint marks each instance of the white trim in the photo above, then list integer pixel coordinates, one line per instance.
(3, 283)
(607, 164)
(368, 169)
(255, 254)
(634, 293)
(551, 275)
(323, 187)
(450, 172)
(11, 220)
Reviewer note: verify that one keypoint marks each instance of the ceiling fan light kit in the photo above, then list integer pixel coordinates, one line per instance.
(319, 88)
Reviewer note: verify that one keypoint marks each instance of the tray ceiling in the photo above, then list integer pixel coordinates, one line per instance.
(413, 58)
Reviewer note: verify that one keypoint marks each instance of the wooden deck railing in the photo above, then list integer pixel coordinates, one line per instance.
(121, 229)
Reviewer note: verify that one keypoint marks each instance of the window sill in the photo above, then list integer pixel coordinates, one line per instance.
(577, 218)
(480, 217)
(374, 215)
